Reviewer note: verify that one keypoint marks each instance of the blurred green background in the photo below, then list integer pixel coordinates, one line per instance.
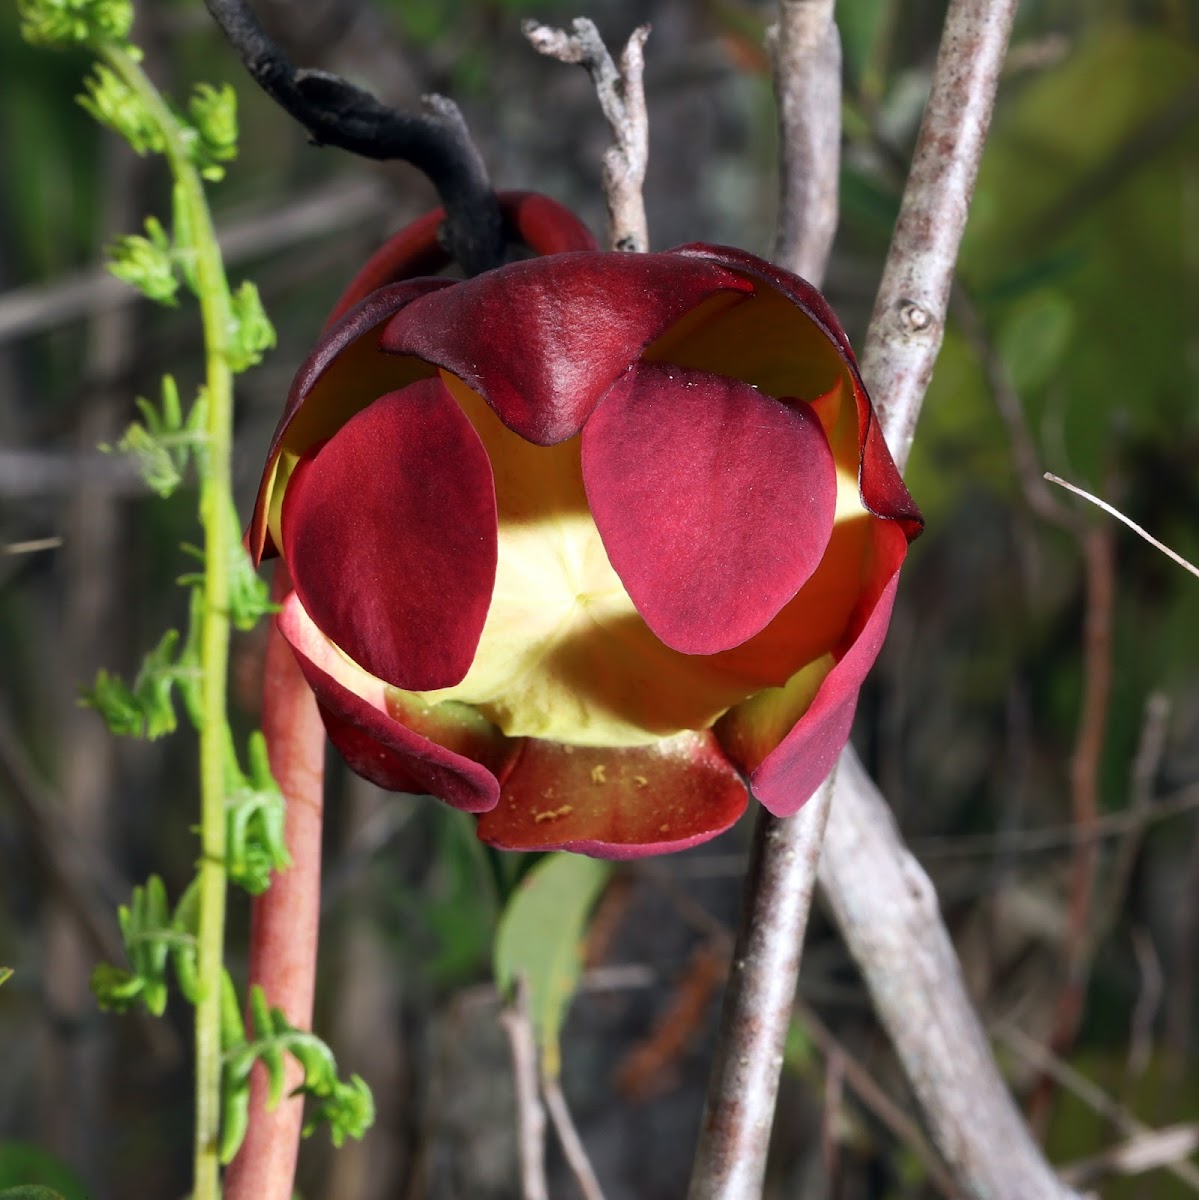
(1033, 637)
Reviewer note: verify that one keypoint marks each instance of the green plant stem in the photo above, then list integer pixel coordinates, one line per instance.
(217, 320)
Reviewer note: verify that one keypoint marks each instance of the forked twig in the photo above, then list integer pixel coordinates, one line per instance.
(622, 97)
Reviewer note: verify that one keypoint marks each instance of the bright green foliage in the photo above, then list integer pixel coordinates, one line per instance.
(146, 709)
(539, 937)
(5, 975)
(148, 263)
(74, 22)
(114, 104)
(348, 1108)
(153, 937)
(214, 123)
(256, 813)
(162, 441)
(254, 334)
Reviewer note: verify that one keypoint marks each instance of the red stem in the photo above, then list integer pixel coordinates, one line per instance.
(284, 919)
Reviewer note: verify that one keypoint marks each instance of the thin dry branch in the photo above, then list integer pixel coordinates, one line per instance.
(568, 1137)
(908, 322)
(1091, 1095)
(1152, 1150)
(622, 97)
(872, 1095)
(806, 57)
(886, 909)
(530, 1115)
(730, 1159)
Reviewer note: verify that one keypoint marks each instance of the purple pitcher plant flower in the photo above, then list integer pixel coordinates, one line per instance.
(588, 543)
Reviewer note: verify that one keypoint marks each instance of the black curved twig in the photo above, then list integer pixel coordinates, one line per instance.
(337, 113)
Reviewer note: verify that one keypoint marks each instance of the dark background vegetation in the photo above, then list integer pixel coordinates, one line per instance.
(1035, 644)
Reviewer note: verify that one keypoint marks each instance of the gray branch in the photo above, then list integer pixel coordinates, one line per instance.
(886, 909)
(622, 99)
(908, 321)
(805, 50)
(730, 1160)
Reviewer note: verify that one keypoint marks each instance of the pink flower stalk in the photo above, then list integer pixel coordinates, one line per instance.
(584, 544)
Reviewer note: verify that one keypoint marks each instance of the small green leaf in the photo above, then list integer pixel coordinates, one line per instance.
(147, 263)
(5, 975)
(161, 442)
(115, 105)
(253, 333)
(113, 699)
(256, 812)
(74, 22)
(214, 117)
(539, 937)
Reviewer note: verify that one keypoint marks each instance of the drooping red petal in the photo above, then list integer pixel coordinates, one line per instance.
(365, 728)
(785, 777)
(615, 803)
(345, 372)
(389, 531)
(882, 489)
(714, 502)
(543, 340)
(532, 220)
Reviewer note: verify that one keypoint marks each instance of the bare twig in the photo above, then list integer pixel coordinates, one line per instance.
(806, 55)
(1091, 1095)
(1099, 552)
(568, 1137)
(1041, 499)
(1144, 1013)
(1115, 512)
(886, 909)
(873, 1097)
(1149, 1151)
(622, 98)
(884, 904)
(1058, 837)
(337, 113)
(530, 1116)
(909, 312)
(285, 918)
(730, 1160)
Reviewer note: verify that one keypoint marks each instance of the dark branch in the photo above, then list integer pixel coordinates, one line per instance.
(337, 113)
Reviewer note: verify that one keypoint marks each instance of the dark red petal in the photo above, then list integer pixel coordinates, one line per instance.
(389, 531)
(531, 220)
(615, 803)
(361, 724)
(882, 489)
(543, 340)
(345, 371)
(788, 775)
(714, 501)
